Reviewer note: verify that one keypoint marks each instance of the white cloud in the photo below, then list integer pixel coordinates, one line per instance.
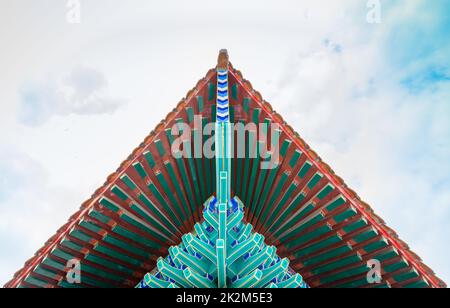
(82, 92)
(30, 208)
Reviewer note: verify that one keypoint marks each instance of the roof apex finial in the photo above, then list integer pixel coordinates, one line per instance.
(222, 60)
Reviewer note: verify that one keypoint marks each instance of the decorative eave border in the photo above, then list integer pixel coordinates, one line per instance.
(365, 209)
(51, 243)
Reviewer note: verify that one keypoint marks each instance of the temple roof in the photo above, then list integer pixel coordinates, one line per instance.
(301, 207)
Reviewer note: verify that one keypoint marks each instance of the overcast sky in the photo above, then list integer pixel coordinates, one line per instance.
(371, 98)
